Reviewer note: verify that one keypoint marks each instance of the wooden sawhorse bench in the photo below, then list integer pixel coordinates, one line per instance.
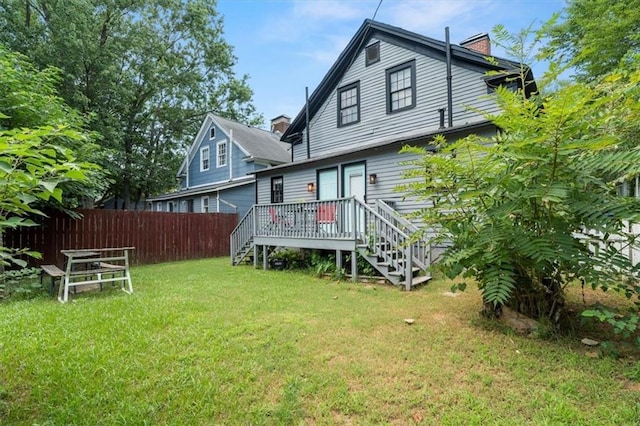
(96, 266)
(54, 272)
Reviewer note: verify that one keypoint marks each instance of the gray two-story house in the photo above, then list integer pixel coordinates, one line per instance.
(218, 172)
(388, 88)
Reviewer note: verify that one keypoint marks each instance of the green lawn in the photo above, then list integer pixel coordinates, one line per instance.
(202, 343)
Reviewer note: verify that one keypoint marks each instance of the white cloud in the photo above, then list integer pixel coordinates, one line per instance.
(431, 17)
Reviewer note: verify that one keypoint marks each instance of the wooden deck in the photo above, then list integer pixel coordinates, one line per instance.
(342, 225)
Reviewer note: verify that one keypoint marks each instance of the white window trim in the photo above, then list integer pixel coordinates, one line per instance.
(159, 207)
(202, 156)
(202, 203)
(226, 153)
(212, 133)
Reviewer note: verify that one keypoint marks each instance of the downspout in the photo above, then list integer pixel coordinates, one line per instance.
(449, 78)
(306, 95)
(230, 154)
(187, 165)
(218, 202)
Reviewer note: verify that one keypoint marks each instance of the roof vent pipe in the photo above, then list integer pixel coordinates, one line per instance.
(306, 95)
(449, 78)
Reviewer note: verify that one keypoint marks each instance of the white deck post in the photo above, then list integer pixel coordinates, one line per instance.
(408, 264)
(354, 266)
(264, 257)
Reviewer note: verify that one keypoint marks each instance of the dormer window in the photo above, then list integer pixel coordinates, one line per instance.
(401, 87)
(212, 133)
(372, 53)
(222, 154)
(204, 159)
(349, 104)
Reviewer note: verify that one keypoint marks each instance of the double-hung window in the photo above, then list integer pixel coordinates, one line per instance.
(204, 205)
(204, 158)
(349, 104)
(222, 154)
(401, 87)
(277, 193)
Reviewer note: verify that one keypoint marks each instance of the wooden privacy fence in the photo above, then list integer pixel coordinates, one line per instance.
(157, 236)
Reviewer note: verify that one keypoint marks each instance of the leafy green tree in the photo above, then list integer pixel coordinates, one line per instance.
(597, 36)
(145, 72)
(37, 133)
(534, 208)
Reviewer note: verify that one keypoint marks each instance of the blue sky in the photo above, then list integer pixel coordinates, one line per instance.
(286, 45)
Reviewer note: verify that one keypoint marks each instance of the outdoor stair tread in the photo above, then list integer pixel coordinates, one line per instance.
(421, 279)
(401, 272)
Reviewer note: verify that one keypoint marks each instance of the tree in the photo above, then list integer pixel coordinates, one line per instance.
(597, 36)
(145, 71)
(534, 208)
(36, 132)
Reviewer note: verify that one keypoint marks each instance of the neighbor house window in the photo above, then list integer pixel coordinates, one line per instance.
(190, 206)
(372, 53)
(629, 188)
(159, 207)
(277, 193)
(349, 104)
(212, 133)
(401, 87)
(204, 159)
(222, 154)
(205, 204)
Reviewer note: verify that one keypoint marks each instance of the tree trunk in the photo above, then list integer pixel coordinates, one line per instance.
(540, 300)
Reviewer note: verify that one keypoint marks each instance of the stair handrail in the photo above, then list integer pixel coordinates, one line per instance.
(388, 242)
(421, 248)
(242, 234)
(393, 215)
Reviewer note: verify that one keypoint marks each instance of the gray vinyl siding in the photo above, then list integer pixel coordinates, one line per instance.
(387, 165)
(469, 89)
(294, 186)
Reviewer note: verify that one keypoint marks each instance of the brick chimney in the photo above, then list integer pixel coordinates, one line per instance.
(478, 43)
(280, 124)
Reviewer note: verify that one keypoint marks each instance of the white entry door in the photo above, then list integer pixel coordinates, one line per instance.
(354, 186)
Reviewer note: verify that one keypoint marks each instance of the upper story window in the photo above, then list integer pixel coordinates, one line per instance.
(222, 154)
(401, 87)
(212, 133)
(204, 158)
(372, 54)
(349, 104)
(277, 193)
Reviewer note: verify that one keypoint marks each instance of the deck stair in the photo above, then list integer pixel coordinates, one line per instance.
(380, 235)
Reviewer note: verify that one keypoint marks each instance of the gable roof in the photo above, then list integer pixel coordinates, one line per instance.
(257, 144)
(373, 29)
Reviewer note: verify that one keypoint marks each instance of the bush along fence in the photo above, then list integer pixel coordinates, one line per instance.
(157, 236)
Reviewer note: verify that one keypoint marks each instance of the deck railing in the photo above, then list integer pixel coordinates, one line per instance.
(242, 236)
(327, 219)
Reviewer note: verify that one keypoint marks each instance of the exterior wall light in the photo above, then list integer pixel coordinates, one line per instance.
(311, 186)
(373, 178)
